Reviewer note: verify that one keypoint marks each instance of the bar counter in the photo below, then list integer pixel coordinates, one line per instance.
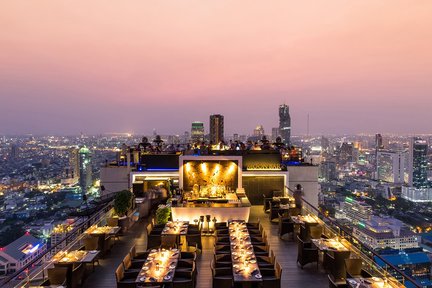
(192, 210)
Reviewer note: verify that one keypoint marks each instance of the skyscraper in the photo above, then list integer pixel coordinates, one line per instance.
(379, 142)
(216, 128)
(391, 166)
(74, 166)
(85, 169)
(197, 132)
(285, 124)
(14, 153)
(418, 163)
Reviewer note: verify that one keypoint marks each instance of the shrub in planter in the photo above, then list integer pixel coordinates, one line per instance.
(122, 202)
(163, 214)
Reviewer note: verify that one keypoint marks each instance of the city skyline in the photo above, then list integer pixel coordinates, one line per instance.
(132, 68)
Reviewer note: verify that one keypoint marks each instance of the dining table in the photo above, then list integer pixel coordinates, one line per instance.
(75, 256)
(372, 282)
(159, 267)
(107, 230)
(245, 265)
(304, 219)
(175, 228)
(332, 244)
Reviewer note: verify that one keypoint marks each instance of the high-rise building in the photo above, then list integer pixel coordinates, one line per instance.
(197, 132)
(285, 124)
(14, 153)
(85, 180)
(391, 166)
(216, 128)
(379, 142)
(328, 170)
(275, 133)
(418, 163)
(259, 131)
(74, 166)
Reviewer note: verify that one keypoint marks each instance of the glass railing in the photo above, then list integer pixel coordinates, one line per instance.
(333, 230)
(35, 272)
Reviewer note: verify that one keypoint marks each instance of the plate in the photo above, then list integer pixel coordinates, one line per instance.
(174, 249)
(145, 268)
(234, 253)
(167, 277)
(249, 252)
(236, 266)
(258, 276)
(252, 261)
(172, 266)
(153, 250)
(142, 279)
(93, 251)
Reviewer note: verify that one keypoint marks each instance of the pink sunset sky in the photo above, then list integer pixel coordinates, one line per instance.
(131, 66)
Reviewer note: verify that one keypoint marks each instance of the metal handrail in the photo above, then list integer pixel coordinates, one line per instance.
(66, 239)
(318, 212)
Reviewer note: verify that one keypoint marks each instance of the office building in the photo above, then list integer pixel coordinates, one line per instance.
(385, 232)
(14, 152)
(391, 166)
(328, 170)
(378, 142)
(285, 124)
(197, 132)
(74, 166)
(418, 164)
(355, 211)
(216, 128)
(275, 133)
(85, 180)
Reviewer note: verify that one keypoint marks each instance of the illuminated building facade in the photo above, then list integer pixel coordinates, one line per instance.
(285, 124)
(259, 131)
(391, 166)
(418, 164)
(385, 232)
(85, 180)
(197, 132)
(216, 128)
(19, 253)
(355, 211)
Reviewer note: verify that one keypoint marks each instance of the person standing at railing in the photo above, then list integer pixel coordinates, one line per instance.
(298, 194)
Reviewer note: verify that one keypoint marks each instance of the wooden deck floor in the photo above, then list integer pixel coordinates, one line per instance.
(285, 251)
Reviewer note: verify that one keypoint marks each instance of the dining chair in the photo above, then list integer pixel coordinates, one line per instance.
(306, 253)
(78, 275)
(194, 240)
(57, 275)
(125, 281)
(354, 268)
(222, 277)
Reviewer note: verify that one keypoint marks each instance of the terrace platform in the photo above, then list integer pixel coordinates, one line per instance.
(285, 251)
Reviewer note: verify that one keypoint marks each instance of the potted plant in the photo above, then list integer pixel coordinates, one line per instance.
(163, 214)
(122, 204)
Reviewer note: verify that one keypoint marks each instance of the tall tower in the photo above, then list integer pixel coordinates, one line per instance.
(285, 124)
(216, 128)
(85, 169)
(197, 132)
(379, 142)
(417, 165)
(74, 166)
